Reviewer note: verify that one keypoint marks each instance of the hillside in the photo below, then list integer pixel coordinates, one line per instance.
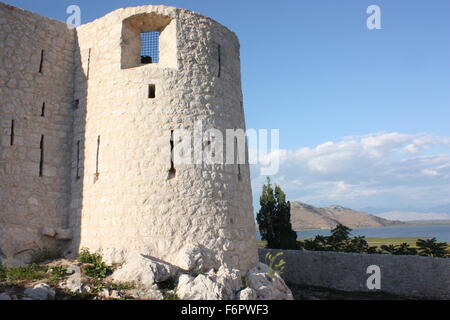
(305, 216)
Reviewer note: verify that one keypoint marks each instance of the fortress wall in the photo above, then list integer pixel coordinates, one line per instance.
(410, 276)
(29, 202)
(125, 199)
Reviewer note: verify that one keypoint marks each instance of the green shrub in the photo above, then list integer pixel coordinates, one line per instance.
(96, 286)
(96, 268)
(86, 257)
(121, 286)
(275, 268)
(170, 295)
(338, 241)
(59, 272)
(432, 248)
(402, 249)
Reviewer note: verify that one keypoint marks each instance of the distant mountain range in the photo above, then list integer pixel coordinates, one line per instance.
(407, 214)
(414, 216)
(305, 216)
(445, 208)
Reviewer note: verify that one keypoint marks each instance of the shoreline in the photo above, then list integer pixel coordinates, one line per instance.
(405, 224)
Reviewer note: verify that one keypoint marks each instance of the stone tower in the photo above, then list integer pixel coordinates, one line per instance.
(92, 124)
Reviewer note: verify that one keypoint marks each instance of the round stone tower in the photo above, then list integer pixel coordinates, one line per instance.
(141, 75)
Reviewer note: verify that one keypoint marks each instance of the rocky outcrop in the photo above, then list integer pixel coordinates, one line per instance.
(149, 273)
(144, 271)
(247, 294)
(227, 284)
(222, 285)
(267, 286)
(40, 292)
(148, 278)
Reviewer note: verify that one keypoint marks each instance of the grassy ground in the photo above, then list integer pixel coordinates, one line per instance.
(375, 242)
(94, 277)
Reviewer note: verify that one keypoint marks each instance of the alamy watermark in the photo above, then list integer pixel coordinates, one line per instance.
(374, 20)
(374, 280)
(74, 19)
(211, 146)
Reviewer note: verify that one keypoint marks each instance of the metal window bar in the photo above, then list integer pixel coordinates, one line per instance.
(150, 47)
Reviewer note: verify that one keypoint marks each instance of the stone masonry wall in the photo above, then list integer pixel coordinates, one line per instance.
(96, 156)
(125, 200)
(30, 202)
(412, 276)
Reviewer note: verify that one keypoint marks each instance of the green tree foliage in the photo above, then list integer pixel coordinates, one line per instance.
(274, 219)
(340, 233)
(431, 247)
(402, 249)
(338, 241)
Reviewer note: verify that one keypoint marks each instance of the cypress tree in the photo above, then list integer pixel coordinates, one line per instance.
(274, 219)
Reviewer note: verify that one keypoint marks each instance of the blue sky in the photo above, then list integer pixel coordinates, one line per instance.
(312, 69)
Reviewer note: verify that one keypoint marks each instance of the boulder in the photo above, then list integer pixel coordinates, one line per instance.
(266, 286)
(110, 294)
(73, 283)
(222, 285)
(144, 271)
(231, 280)
(202, 287)
(247, 294)
(190, 258)
(40, 292)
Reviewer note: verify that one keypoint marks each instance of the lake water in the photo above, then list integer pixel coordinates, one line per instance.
(440, 232)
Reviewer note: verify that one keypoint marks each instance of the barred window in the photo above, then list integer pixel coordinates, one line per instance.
(150, 47)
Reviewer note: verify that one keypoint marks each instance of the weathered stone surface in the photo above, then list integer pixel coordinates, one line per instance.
(63, 234)
(40, 292)
(107, 144)
(266, 286)
(48, 232)
(110, 294)
(31, 202)
(190, 258)
(195, 258)
(231, 281)
(318, 269)
(202, 287)
(144, 271)
(146, 294)
(247, 294)
(113, 256)
(73, 282)
(222, 285)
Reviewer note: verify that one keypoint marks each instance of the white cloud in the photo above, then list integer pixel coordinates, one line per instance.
(378, 169)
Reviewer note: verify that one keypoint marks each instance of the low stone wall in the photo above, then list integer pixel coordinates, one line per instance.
(412, 276)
